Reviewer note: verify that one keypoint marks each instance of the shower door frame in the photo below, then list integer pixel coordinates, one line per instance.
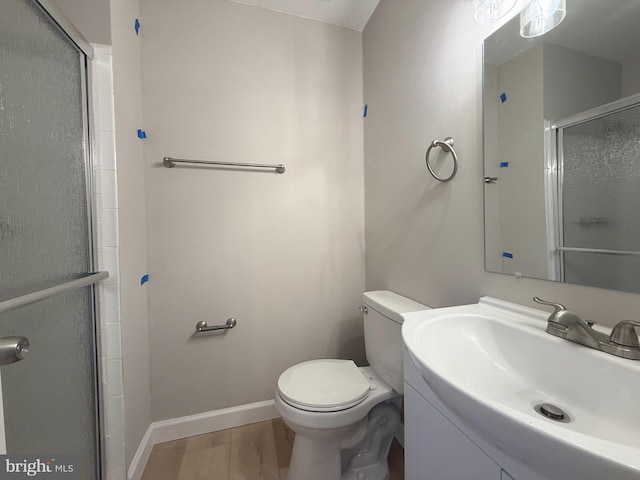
(93, 264)
(86, 54)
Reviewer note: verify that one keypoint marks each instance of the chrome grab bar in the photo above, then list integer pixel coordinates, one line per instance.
(171, 162)
(624, 253)
(202, 326)
(50, 292)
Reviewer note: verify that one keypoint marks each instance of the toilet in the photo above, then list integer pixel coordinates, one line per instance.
(346, 416)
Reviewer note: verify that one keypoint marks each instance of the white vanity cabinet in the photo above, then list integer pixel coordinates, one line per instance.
(438, 446)
(484, 367)
(435, 449)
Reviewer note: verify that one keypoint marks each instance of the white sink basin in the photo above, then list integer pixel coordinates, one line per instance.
(492, 362)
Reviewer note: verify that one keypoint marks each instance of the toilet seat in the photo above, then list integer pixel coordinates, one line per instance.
(326, 385)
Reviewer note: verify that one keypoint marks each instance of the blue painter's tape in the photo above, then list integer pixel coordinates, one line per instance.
(504, 164)
(136, 25)
(142, 134)
(364, 110)
(144, 279)
(503, 97)
(507, 255)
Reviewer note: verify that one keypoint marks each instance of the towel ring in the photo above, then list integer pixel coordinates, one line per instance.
(447, 146)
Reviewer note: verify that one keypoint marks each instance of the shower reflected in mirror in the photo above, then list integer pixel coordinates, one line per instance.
(562, 136)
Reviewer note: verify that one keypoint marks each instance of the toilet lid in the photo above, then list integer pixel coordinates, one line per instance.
(323, 385)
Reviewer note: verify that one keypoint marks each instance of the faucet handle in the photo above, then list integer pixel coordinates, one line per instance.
(558, 307)
(624, 334)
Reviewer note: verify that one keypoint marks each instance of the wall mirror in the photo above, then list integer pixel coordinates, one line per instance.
(562, 148)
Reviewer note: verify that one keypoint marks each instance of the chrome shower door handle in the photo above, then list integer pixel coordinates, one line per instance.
(13, 349)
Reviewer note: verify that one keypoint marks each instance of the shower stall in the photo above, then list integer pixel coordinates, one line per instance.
(598, 180)
(49, 401)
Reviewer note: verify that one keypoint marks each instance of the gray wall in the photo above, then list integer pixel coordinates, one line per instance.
(521, 185)
(91, 17)
(423, 80)
(575, 82)
(283, 254)
(127, 87)
(631, 76)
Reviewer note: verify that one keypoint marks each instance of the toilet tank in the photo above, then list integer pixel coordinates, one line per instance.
(382, 333)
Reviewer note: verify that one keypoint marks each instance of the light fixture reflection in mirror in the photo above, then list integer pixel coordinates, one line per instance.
(487, 11)
(542, 16)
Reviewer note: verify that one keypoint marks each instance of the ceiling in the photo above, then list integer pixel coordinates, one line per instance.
(353, 14)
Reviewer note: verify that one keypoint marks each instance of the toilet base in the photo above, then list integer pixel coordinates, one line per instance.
(317, 460)
(313, 460)
(379, 471)
(320, 436)
(368, 459)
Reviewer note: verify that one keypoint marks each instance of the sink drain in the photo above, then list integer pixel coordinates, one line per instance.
(552, 412)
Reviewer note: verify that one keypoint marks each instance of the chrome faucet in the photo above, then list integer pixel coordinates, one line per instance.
(623, 341)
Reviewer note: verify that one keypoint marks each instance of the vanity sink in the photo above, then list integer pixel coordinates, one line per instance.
(493, 365)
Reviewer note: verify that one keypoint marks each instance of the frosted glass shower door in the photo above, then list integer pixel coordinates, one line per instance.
(49, 398)
(600, 185)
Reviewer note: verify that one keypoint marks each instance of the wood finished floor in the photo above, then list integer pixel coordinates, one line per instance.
(260, 451)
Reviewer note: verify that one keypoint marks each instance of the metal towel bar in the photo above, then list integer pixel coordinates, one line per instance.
(171, 162)
(50, 292)
(622, 253)
(203, 327)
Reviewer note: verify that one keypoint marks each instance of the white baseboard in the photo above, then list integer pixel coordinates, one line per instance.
(175, 428)
(136, 468)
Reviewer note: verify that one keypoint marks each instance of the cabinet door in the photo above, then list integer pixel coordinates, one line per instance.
(436, 450)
